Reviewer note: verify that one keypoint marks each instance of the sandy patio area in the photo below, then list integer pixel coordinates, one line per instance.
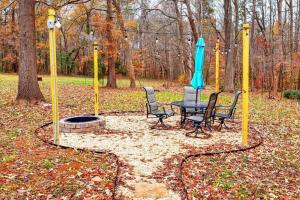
(143, 148)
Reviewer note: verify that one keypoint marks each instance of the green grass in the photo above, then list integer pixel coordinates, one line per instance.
(81, 80)
(7, 158)
(48, 164)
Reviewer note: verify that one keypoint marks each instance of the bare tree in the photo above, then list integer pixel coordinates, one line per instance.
(237, 70)
(252, 43)
(191, 20)
(183, 47)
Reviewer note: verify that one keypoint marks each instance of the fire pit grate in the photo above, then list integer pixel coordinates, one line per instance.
(81, 119)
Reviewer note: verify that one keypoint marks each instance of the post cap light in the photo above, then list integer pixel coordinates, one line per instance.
(246, 26)
(51, 19)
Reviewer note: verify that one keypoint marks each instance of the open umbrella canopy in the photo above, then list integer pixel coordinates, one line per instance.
(198, 80)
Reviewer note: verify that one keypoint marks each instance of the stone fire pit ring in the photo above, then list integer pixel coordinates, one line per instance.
(82, 124)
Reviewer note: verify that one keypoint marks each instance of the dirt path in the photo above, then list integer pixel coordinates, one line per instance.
(143, 148)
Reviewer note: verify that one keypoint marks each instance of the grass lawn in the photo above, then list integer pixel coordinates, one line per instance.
(31, 169)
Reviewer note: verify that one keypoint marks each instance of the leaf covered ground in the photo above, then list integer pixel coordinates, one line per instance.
(29, 168)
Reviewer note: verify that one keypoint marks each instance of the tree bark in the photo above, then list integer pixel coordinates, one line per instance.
(111, 79)
(291, 27)
(237, 72)
(128, 51)
(291, 40)
(183, 48)
(191, 21)
(252, 44)
(229, 68)
(28, 88)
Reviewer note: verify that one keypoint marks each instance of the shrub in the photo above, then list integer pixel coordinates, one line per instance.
(182, 79)
(120, 68)
(292, 94)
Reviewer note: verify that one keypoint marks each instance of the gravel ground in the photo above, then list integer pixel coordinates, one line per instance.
(144, 148)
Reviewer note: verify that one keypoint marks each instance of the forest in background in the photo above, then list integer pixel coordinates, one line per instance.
(156, 39)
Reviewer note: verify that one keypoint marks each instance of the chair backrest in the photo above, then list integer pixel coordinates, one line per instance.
(152, 103)
(233, 105)
(211, 106)
(190, 95)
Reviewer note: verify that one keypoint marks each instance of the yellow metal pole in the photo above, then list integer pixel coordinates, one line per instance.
(246, 52)
(53, 70)
(217, 65)
(96, 80)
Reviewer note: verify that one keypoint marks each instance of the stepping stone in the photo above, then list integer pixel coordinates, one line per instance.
(154, 191)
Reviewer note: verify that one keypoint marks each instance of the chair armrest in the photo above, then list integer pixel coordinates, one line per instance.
(222, 109)
(165, 104)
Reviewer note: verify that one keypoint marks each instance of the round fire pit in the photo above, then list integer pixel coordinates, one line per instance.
(82, 124)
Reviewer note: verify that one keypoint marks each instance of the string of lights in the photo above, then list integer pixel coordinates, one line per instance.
(222, 50)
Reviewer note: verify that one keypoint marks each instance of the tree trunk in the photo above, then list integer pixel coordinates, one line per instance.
(252, 44)
(28, 88)
(229, 68)
(291, 40)
(291, 27)
(183, 48)
(111, 79)
(297, 27)
(237, 72)
(191, 21)
(128, 51)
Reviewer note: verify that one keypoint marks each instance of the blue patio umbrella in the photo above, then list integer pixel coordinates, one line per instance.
(198, 80)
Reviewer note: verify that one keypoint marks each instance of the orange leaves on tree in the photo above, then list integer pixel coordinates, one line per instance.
(138, 62)
(10, 58)
(131, 24)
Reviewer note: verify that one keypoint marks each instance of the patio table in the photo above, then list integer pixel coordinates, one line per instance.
(200, 106)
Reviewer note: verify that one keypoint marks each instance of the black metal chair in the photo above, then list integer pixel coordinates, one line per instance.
(156, 109)
(206, 117)
(227, 112)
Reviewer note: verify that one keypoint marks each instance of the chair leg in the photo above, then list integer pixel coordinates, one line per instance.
(198, 130)
(162, 122)
(193, 131)
(220, 127)
(225, 125)
(156, 124)
(221, 124)
(209, 126)
(190, 132)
